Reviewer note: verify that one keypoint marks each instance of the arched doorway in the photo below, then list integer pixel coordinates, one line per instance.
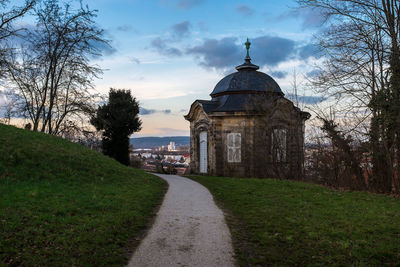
(203, 152)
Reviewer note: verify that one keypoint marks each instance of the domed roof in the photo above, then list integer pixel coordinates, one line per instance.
(247, 80)
(242, 91)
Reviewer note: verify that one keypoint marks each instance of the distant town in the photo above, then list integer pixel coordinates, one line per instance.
(172, 157)
(172, 154)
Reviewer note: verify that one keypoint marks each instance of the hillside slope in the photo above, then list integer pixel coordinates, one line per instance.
(63, 204)
(288, 223)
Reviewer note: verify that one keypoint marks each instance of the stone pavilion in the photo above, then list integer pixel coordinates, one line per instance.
(247, 129)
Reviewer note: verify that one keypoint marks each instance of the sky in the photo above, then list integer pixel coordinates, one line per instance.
(171, 52)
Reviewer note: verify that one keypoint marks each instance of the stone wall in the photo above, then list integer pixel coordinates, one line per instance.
(255, 131)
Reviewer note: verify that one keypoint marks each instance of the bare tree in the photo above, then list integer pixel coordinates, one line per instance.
(336, 156)
(51, 70)
(362, 72)
(12, 106)
(7, 109)
(348, 155)
(8, 15)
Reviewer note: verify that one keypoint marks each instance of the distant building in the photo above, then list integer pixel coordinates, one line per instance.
(171, 146)
(248, 128)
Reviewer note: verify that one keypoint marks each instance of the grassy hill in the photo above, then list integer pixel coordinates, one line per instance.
(287, 223)
(63, 204)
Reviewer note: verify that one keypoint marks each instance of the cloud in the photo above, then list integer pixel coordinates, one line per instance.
(188, 4)
(244, 10)
(181, 29)
(279, 74)
(226, 52)
(161, 46)
(309, 50)
(138, 78)
(172, 132)
(135, 60)
(3, 99)
(145, 111)
(272, 50)
(218, 54)
(311, 100)
(125, 28)
(314, 73)
(104, 48)
(311, 17)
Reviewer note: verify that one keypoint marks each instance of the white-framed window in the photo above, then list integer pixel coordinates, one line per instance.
(233, 146)
(279, 144)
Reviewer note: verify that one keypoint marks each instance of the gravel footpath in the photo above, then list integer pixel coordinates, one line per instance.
(189, 230)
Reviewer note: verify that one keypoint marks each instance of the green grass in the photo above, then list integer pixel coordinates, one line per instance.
(286, 223)
(62, 204)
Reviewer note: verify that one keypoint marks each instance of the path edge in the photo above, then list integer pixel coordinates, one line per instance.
(135, 241)
(241, 246)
